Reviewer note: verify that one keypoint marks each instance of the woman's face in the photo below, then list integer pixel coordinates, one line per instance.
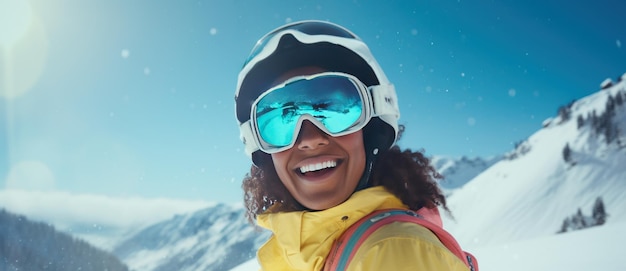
(320, 171)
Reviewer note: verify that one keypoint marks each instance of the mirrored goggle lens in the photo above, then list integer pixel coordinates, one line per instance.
(307, 27)
(333, 100)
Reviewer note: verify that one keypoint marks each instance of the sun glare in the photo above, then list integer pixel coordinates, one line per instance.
(23, 48)
(22, 54)
(15, 18)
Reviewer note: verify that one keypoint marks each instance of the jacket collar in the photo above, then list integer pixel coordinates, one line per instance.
(302, 240)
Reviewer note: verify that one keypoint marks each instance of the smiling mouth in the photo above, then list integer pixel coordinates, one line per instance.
(317, 168)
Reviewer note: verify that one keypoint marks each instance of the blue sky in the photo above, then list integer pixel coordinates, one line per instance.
(135, 98)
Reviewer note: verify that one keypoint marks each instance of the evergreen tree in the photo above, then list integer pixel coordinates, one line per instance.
(581, 218)
(564, 113)
(581, 121)
(578, 221)
(598, 213)
(610, 105)
(610, 133)
(593, 118)
(567, 153)
(565, 226)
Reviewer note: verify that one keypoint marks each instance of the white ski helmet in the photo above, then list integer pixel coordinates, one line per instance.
(330, 47)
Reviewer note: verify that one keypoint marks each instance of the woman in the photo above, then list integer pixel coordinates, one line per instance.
(319, 119)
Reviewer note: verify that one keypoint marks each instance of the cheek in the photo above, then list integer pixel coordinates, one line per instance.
(353, 144)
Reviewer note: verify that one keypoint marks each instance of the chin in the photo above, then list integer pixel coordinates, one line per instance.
(320, 205)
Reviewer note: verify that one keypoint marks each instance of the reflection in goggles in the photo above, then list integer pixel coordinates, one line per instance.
(335, 101)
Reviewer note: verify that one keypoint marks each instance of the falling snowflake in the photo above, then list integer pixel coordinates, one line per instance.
(471, 121)
(512, 92)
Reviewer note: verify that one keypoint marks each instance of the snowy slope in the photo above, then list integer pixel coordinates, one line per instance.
(458, 171)
(529, 194)
(215, 238)
(598, 248)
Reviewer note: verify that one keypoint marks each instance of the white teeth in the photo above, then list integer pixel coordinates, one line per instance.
(318, 166)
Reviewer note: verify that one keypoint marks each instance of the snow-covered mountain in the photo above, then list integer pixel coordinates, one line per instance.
(215, 238)
(577, 157)
(458, 171)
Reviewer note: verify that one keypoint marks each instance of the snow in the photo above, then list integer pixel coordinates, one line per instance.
(248, 266)
(606, 83)
(598, 248)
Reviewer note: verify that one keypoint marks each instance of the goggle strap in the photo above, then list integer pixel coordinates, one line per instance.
(385, 100)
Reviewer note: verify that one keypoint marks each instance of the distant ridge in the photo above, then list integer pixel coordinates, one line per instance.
(33, 246)
(215, 238)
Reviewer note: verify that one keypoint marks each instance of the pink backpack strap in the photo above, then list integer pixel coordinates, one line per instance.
(431, 214)
(346, 246)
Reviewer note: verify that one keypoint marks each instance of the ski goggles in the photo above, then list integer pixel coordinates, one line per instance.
(337, 103)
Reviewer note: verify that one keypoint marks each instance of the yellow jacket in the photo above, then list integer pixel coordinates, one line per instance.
(302, 240)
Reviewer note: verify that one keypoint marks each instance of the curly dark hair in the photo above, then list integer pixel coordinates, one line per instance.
(406, 174)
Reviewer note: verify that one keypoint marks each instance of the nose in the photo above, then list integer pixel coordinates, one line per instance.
(311, 137)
